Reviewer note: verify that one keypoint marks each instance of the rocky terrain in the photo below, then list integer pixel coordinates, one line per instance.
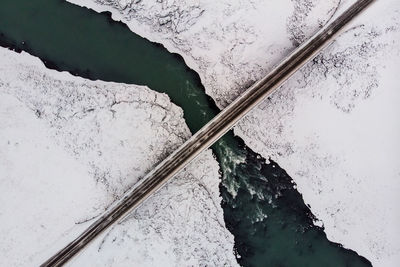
(69, 147)
(333, 126)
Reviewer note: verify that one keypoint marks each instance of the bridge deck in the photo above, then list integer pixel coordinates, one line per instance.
(209, 134)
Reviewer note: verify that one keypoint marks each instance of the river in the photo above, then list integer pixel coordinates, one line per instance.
(271, 224)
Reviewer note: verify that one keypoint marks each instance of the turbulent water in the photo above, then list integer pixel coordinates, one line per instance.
(271, 224)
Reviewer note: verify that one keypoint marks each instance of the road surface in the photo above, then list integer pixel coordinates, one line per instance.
(209, 134)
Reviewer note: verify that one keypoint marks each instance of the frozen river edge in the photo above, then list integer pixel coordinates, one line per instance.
(334, 173)
(70, 149)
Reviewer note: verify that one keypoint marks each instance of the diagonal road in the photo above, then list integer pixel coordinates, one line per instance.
(209, 134)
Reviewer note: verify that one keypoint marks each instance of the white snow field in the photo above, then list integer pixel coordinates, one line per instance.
(333, 127)
(69, 147)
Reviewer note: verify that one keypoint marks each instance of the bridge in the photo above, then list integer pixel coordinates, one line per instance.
(209, 134)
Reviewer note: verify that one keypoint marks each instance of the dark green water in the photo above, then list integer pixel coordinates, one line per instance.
(271, 224)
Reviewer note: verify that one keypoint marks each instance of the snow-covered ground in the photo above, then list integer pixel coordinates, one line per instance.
(69, 147)
(333, 127)
(230, 44)
(337, 134)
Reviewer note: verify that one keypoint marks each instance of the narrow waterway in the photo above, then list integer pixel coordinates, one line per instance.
(271, 224)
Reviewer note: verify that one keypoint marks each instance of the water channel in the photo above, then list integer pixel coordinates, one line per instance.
(271, 224)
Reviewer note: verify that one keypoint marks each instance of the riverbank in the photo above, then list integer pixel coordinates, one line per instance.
(69, 149)
(337, 136)
(227, 45)
(270, 222)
